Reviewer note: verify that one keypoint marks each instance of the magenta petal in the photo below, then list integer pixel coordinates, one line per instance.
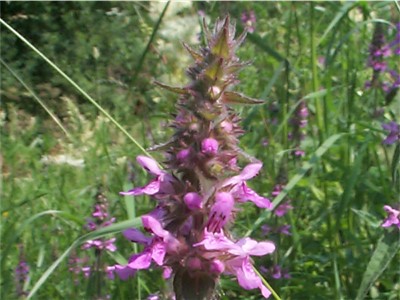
(150, 189)
(167, 272)
(152, 224)
(247, 194)
(158, 251)
(215, 241)
(124, 272)
(135, 235)
(250, 171)
(149, 164)
(265, 291)
(140, 261)
(246, 276)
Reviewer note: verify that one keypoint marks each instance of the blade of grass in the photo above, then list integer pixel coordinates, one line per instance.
(146, 50)
(42, 104)
(117, 227)
(75, 85)
(276, 296)
(338, 17)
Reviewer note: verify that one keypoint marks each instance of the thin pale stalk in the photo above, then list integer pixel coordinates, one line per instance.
(75, 85)
(42, 104)
(276, 296)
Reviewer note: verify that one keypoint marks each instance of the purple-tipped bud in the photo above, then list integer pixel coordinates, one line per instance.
(217, 266)
(194, 263)
(183, 155)
(209, 146)
(193, 201)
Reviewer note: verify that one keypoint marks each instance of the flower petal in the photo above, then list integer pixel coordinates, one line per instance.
(158, 251)
(149, 164)
(135, 235)
(152, 224)
(140, 261)
(124, 272)
(150, 189)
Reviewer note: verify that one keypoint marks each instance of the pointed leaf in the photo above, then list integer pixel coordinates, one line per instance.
(386, 249)
(237, 98)
(214, 70)
(174, 89)
(196, 55)
(220, 46)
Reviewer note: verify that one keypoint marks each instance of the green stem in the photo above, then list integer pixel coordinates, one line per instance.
(139, 66)
(276, 296)
(74, 84)
(315, 84)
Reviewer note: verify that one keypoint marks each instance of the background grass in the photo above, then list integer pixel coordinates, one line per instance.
(113, 50)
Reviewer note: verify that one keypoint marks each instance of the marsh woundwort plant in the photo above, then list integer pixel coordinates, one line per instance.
(197, 196)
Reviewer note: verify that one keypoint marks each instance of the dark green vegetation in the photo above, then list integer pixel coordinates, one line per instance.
(315, 52)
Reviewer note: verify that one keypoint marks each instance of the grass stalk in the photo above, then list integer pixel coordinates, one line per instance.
(75, 85)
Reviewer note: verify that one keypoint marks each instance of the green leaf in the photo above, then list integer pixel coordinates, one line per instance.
(237, 98)
(196, 56)
(221, 45)
(173, 89)
(388, 246)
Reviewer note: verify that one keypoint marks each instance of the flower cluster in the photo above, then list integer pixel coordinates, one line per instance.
(100, 218)
(379, 52)
(249, 20)
(198, 194)
(394, 133)
(298, 122)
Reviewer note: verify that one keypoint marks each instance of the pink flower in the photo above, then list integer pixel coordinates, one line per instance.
(162, 184)
(156, 247)
(393, 217)
(246, 277)
(242, 192)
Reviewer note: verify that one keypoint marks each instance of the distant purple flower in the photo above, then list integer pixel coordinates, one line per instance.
(284, 229)
(394, 132)
(393, 217)
(249, 20)
(276, 272)
(282, 209)
(21, 276)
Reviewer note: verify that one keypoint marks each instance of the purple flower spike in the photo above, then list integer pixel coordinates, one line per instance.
(209, 146)
(204, 180)
(394, 132)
